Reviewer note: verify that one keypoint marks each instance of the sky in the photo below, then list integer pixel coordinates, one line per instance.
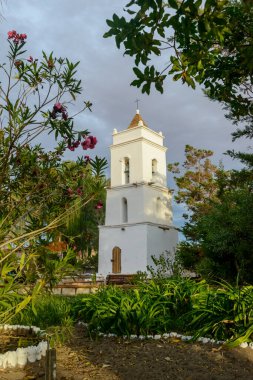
(74, 29)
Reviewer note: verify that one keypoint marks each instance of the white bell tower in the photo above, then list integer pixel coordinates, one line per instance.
(138, 221)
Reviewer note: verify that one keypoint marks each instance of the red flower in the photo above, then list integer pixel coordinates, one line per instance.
(17, 63)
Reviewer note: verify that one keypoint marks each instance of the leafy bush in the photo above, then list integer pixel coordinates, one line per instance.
(222, 312)
(155, 307)
(48, 311)
(52, 314)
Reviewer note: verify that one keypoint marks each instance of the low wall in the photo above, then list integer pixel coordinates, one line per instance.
(73, 289)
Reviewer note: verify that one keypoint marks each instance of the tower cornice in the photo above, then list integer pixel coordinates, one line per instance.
(161, 147)
(151, 184)
(144, 127)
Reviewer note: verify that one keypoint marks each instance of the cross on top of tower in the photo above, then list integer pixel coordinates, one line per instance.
(137, 118)
(137, 102)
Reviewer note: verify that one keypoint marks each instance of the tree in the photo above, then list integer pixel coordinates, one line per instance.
(208, 42)
(225, 235)
(38, 190)
(197, 184)
(218, 222)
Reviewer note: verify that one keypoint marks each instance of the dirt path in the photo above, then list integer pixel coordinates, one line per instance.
(117, 359)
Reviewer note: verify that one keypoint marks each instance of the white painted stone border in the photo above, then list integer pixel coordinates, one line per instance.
(184, 338)
(20, 357)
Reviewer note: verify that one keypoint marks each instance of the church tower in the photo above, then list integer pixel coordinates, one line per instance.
(138, 221)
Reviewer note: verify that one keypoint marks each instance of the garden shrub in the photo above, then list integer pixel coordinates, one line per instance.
(219, 311)
(49, 310)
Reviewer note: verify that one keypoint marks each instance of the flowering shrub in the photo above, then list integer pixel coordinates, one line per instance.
(17, 38)
(40, 193)
(89, 142)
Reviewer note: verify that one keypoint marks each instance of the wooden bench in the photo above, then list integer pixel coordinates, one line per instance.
(120, 279)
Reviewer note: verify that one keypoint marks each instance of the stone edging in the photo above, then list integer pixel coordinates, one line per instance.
(184, 338)
(20, 357)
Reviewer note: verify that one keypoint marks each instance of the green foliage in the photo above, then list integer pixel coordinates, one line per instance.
(226, 236)
(221, 311)
(88, 263)
(153, 307)
(219, 218)
(50, 311)
(12, 300)
(219, 242)
(190, 254)
(165, 266)
(52, 267)
(52, 314)
(39, 192)
(224, 312)
(197, 181)
(207, 42)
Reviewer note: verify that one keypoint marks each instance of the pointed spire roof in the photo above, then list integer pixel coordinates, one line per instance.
(136, 120)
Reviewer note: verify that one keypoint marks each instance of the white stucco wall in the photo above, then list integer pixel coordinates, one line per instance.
(141, 204)
(159, 241)
(137, 242)
(140, 145)
(136, 133)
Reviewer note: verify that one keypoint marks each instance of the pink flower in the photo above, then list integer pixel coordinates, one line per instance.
(89, 142)
(76, 144)
(22, 37)
(53, 115)
(86, 160)
(99, 205)
(79, 191)
(16, 37)
(12, 34)
(71, 147)
(64, 115)
(70, 191)
(58, 107)
(30, 59)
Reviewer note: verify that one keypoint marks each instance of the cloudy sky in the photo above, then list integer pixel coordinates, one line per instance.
(75, 29)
